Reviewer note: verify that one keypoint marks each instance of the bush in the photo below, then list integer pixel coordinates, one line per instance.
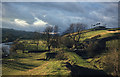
(111, 60)
(93, 48)
(67, 42)
(59, 55)
(55, 43)
(18, 46)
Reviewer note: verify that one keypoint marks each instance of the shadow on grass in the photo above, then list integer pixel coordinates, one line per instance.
(42, 59)
(37, 51)
(18, 66)
(19, 57)
(50, 55)
(77, 71)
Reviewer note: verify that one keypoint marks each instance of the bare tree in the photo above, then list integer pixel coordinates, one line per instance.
(55, 38)
(75, 32)
(48, 30)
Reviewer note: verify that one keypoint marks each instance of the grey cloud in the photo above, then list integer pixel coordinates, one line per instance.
(61, 13)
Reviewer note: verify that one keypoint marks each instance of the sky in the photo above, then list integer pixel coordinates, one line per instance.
(32, 16)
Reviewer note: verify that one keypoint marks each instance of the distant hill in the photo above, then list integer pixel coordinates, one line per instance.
(9, 35)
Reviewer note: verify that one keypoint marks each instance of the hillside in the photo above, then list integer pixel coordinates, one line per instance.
(88, 34)
(64, 60)
(9, 35)
(102, 44)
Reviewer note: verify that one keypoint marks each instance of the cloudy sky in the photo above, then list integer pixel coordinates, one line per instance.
(31, 16)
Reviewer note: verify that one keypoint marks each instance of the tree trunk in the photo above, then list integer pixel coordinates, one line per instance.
(48, 48)
(37, 46)
(75, 43)
(22, 51)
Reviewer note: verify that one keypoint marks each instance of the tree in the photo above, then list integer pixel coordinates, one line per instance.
(78, 28)
(67, 42)
(48, 30)
(8, 37)
(55, 39)
(22, 45)
(18, 45)
(56, 29)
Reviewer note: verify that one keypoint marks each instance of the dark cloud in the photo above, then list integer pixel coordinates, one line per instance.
(58, 13)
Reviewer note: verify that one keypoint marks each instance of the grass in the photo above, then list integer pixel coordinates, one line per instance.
(99, 60)
(96, 62)
(50, 68)
(77, 60)
(33, 64)
(21, 62)
(113, 43)
(36, 64)
(31, 45)
(103, 33)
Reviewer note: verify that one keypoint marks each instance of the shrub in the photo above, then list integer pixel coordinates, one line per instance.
(66, 41)
(55, 43)
(92, 48)
(18, 46)
(58, 55)
(111, 60)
